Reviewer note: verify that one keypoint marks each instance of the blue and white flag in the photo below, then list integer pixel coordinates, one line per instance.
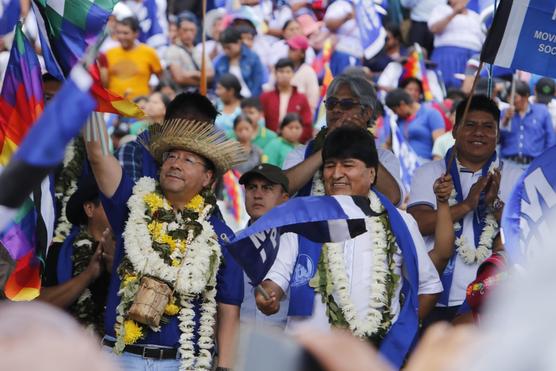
(409, 161)
(9, 15)
(373, 35)
(318, 218)
(152, 32)
(525, 221)
(523, 36)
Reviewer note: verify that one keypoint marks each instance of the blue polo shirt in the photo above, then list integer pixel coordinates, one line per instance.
(229, 279)
(529, 135)
(418, 130)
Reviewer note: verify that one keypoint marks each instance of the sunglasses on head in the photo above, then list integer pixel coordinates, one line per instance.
(344, 104)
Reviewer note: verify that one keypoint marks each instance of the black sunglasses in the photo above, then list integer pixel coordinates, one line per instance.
(345, 104)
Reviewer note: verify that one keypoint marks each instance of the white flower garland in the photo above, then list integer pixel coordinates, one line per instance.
(469, 253)
(190, 279)
(372, 322)
(64, 226)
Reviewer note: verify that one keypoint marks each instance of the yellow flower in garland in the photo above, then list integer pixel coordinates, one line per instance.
(155, 228)
(196, 204)
(171, 309)
(132, 332)
(129, 279)
(166, 239)
(175, 262)
(153, 201)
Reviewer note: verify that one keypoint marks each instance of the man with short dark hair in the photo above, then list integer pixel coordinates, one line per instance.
(526, 129)
(241, 62)
(545, 89)
(482, 182)
(266, 186)
(131, 65)
(285, 99)
(344, 284)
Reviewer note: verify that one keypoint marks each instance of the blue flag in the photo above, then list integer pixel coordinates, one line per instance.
(373, 35)
(531, 204)
(523, 36)
(151, 30)
(9, 15)
(403, 151)
(318, 218)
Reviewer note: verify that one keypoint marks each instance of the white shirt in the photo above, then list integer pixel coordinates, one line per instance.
(349, 38)
(420, 9)
(250, 314)
(236, 71)
(386, 158)
(422, 194)
(464, 30)
(358, 263)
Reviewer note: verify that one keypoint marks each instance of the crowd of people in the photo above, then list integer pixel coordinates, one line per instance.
(293, 109)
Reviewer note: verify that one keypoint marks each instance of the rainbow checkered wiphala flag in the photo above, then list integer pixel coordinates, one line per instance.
(26, 235)
(66, 29)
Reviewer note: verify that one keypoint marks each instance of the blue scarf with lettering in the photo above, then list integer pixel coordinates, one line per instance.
(400, 338)
(479, 215)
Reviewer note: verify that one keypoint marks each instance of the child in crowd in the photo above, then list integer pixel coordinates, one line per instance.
(251, 107)
(244, 132)
(291, 130)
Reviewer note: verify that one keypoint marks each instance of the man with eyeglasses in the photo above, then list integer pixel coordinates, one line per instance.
(350, 100)
(169, 242)
(482, 181)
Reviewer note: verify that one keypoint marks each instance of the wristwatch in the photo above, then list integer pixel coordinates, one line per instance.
(223, 369)
(497, 204)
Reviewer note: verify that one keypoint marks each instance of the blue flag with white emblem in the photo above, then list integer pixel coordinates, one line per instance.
(409, 161)
(318, 218)
(531, 204)
(523, 36)
(373, 35)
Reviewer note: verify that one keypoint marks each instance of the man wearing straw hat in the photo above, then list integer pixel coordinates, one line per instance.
(171, 279)
(482, 181)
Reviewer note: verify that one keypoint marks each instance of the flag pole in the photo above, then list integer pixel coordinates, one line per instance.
(203, 82)
(465, 112)
(491, 67)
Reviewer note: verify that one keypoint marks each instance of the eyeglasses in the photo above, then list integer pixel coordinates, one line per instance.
(345, 104)
(186, 160)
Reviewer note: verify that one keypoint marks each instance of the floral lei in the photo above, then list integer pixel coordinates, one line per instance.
(66, 185)
(331, 277)
(468, 252)
(85, 309)
(180, 248)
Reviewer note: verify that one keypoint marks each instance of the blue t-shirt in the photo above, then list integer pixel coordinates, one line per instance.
(418, 131)
(229, 279)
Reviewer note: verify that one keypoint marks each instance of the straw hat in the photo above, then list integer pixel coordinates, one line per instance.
(198, 137)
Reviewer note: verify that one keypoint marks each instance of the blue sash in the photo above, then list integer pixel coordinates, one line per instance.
(306, 189)
(399, 339)
(478, 222)
(302, 296)
(64, 267)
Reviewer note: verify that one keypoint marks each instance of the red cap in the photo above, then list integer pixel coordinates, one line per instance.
(298, 42)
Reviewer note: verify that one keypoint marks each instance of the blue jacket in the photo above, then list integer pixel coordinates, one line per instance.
(252, 69)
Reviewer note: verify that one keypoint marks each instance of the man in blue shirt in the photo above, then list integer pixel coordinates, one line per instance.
(420, 125)
(169, 235)
(526, 129)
